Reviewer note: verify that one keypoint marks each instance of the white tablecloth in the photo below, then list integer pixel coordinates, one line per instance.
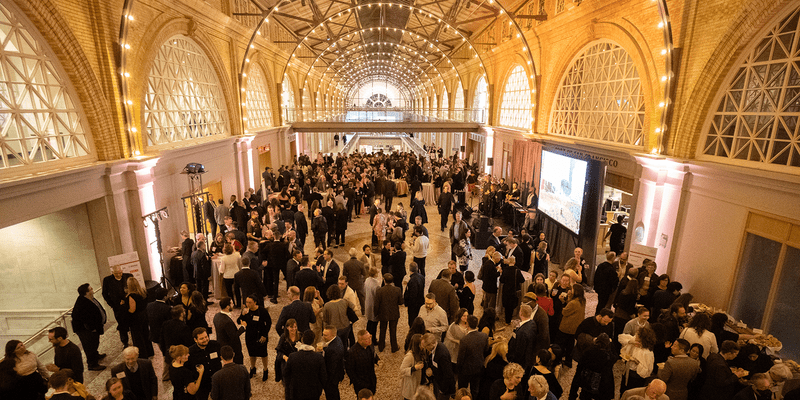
(427, 194)
(402, 187)
(217, 287)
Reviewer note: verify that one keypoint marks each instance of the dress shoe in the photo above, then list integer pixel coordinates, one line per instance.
(97, 367)
(265, 376)
(252, 372)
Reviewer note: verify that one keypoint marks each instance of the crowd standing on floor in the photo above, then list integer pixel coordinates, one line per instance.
(529, 331)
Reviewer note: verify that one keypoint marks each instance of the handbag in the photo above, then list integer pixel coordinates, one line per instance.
(351, 315)
(459, 250)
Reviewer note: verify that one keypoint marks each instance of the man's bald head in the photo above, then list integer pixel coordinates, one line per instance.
(655, 389)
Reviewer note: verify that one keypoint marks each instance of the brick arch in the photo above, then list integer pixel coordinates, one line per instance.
(753, 19)
(159, 31)
(635, 44)
(105, 122)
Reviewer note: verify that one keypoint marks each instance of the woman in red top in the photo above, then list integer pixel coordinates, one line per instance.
(542, 299)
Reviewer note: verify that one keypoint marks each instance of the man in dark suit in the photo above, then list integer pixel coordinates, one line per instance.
(445, 295)
(114, 294)
(356, 273)
(88, 318)
(523, 340)
(137, 374)
(227, 333)
(334, 352)
(298, 310)
(389, 192)
(445, 203)
(439, 364)
(329, 273)
(201, 264)
(388, 300)
(249, 282)
(304, 374)
(495, 239)
(605, 281)
(301, 225)
(307, 276)
(158, 312)
(458, 231)
(360, 363)
(206, 352)
(471, 353)
(542, 321)
(278, 257)
(174, 332)
(512, 249)
(414, 297)
(398, 262)
(232, 382)
(239, 215)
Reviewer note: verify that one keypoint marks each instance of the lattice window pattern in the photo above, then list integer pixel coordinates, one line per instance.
(40, 117)
(480, 101)
(756, 118)
(287, 100)
(378, 100)
(184, 100)
(600, 97)
(515, 110)
(259, 114)
(541, 10)
(445, 105)
(560, 6)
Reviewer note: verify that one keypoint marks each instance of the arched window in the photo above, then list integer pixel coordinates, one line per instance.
(40, 117)
(757, 114)
(445, 106)
(600, 97)
(287, 99)
(184, 99)
(458, 104)
(480, 101)
(515, 110)
(258, 106)
(308, 106)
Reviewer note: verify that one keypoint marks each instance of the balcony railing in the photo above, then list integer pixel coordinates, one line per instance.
(363, 114)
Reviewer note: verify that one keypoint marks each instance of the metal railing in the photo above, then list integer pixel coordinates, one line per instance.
(362, 114)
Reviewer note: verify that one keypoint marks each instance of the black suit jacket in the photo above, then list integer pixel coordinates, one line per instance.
(228, 334)
(175, 332)
(518, 258)
(414, 296)
(306, 277)
(158, 312)
(86, 316)
(389, 188)
(388, 300)
(304, 375)
(232, 382)
(471, 352)
(147, 376)
(300, 225)
(522, 344)
(441, 364)
(334, 360)
(331, 277)
(249, 282)
(114, 291)
(300, 311)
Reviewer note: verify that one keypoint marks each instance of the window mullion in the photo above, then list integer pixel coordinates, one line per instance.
(769, 309)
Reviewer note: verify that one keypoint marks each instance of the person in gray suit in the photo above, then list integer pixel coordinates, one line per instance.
(227, 333)
(471, 354)
(679, 370)
(356, 273)
(388, 300)
(232, 382)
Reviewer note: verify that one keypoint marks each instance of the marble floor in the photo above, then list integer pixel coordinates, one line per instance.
(358, 234)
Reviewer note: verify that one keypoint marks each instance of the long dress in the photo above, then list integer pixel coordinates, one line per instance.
(140, 330)
(285, 347)
(258, 326)
(418, 208)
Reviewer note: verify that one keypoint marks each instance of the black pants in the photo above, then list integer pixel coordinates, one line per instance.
(389, 202)
(90, 341)
(202, 286)
(332, 389)
(339, 238)
(413, 313)
(372, 328)
(273, 278)
(234, 295)
(421, 265)
(567, 341)
(471, 380)
(120, 316)
(319, 240)
(344, 335)
(444, 218)
(392, 324)
(213, 229)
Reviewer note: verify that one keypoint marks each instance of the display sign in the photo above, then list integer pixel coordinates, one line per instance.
(129, 262)
(561, 186)
(638, 253)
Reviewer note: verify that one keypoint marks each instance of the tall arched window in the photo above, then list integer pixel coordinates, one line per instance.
(308, 105)
(480, 101)
(40, 117)
(445, 105)
(756, 118)
(600, 97)
(184, 99)
(287, 99)
(458, 104)
(258, 106)
(515, 110)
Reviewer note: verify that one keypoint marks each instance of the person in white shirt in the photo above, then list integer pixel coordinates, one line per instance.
(633, 326)
(419, 248)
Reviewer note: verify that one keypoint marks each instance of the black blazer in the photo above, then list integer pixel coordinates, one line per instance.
(334, 360)
(441, 365)
(228, 334)
(304, 375)
(302, 312)
(86, 316)
(522, 344)
(147, 375)
(249, 282)
(176, 332)
(471, 353)
(414, 296)
(388, 300)
(232, 382)
(158, 312)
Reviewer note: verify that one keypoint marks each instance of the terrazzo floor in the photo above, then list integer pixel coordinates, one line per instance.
(389, 381)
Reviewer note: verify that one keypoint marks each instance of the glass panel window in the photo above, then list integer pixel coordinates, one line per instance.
(40, 116)
(515, 110)
(480, 101)
(287, 98)
(756, 117)
(184, 100)
(458, 107)
(756, 271)
(600, 97)
(258, 106)
(785, 318)
(445, 106)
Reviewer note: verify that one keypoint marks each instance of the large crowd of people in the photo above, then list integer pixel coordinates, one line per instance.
(510, 337)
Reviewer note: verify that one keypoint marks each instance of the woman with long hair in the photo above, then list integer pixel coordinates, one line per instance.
(418, 208)
(217, 245)
(466, 296)
(311, 296)
(699, 331)
(637, 352)
(456, 332)
(196, 312)
(495, 362)
(466, 257)
(573, 269)
(541, 260)
(184, 296)
(510, 383)
(594, 376)
(137, 315)
(417, 328)
(487, 323)
(185, 380)
(286, 346)
(23, 375)
(411, 368)
(115, 390)
(228, 268)
(696, 384)
(543, 364)
(572, 316)
(625, 303)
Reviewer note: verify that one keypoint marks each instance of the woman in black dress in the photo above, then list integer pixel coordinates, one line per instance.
(286, 346)
(510, 278)
(196, 312)
(137, 317)
(466, 297)
(493, 368)
(185, 380)
(543, 364)
(257, 323)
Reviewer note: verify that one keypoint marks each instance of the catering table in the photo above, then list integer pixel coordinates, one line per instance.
(427, 194)
(402, 187)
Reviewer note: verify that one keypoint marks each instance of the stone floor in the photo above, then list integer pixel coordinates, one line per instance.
(358, 234)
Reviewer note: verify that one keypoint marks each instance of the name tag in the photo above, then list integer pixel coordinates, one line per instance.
(255, 318)
(647, 278)
(435, 365)
(121, 375)
(212, 355)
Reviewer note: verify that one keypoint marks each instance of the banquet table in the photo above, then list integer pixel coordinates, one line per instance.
(427, 193)
(402, 187)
